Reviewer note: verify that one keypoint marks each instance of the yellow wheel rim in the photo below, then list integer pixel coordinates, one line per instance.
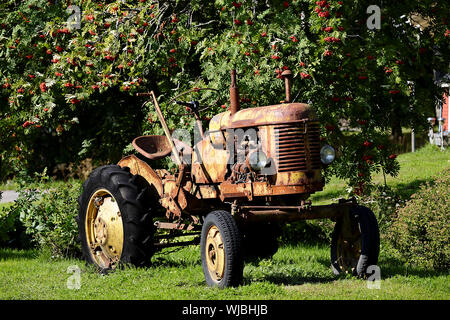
(104, 229)
(215, 254)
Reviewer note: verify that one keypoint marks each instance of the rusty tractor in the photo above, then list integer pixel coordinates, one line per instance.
(252, 171)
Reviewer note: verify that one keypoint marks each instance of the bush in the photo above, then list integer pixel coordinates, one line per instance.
(48, 215)
(12, 231)
(384, 202)
(420, 231)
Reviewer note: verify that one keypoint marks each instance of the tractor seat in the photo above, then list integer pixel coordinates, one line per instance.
(158, 147)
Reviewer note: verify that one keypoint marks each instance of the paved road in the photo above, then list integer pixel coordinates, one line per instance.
(9, 196)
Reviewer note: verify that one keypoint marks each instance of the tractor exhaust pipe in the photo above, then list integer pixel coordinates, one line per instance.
(287, 75)
(234, 94)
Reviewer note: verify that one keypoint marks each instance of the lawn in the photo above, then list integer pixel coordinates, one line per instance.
(415, 169)
(296, 272)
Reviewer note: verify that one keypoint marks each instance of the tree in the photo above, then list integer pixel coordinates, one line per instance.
(50, 74)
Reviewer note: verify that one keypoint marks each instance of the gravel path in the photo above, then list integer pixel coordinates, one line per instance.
(9, 196)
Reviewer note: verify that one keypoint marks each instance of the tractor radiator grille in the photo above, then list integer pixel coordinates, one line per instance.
(298, 146)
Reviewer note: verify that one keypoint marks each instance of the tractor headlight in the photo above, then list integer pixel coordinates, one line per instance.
(257, 160)
(327, 154)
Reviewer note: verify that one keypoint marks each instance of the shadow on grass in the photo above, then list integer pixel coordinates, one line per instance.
(406, 190)
(297, 276)
(8, 254)
(294, 278)
(173, 263)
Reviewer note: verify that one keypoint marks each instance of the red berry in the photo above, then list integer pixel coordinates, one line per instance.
(236, 4)
(305, 75)
(43, 87)
(26, 124)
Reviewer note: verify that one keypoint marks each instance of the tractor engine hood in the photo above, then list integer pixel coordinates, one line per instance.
(261, 116)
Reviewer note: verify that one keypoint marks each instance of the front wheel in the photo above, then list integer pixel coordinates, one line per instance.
(221, 251)
(355, 242)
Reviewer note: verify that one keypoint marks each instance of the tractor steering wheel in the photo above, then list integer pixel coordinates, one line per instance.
(193, 107)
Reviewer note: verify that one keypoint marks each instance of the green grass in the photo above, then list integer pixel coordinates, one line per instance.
(416, 168)
(51, 184)
(295, 272)
(5, 205)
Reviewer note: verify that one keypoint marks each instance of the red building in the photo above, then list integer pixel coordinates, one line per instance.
(445, 110)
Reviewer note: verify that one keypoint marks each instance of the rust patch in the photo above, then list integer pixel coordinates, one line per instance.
(139, 167)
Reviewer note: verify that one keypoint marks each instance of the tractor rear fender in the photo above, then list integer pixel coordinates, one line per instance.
(139, 167)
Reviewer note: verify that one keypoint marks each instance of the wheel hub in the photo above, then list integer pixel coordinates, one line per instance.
(104, 229)
(215, 255)
(101, 231)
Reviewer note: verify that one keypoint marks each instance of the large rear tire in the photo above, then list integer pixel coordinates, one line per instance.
(221, 250)
(114, 220)
(355, 242)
